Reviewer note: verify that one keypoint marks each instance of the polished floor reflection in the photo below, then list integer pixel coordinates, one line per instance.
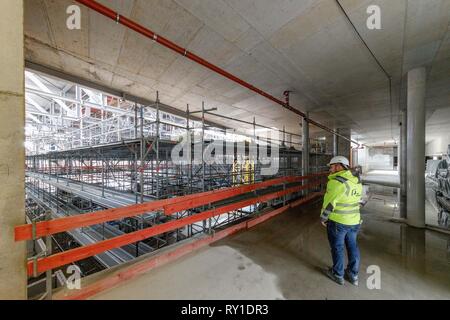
(283, 259)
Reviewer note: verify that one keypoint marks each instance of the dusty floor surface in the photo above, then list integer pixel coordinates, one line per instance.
(283, 258)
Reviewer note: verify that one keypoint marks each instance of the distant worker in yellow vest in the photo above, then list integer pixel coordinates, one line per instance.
(341, 216)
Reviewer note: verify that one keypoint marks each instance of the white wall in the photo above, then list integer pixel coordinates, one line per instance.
(438, 146)
(376, 158)
(381, 158)
(362, 159)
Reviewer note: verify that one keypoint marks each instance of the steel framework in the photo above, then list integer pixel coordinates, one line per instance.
(88, 152)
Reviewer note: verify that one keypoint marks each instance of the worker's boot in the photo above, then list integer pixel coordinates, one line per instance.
(353, 280)
(330, 274)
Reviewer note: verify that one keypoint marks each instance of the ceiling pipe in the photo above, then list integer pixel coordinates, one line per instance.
(120, 19)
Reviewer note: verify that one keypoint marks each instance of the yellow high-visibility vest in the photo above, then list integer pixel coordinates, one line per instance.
(342, 199)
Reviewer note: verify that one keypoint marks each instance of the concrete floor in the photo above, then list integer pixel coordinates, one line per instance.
(283, 258)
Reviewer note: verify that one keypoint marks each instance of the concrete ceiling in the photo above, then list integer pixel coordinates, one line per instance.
(306, 46)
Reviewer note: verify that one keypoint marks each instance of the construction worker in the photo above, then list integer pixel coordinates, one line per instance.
(341, 216)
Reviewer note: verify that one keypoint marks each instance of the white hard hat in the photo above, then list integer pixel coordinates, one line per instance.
(341, 160)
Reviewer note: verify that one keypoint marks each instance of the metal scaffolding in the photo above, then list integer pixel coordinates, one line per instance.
(88, 151)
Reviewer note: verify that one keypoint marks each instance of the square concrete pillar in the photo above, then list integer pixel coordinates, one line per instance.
(13, 279)
(344, 146)
(306, 146)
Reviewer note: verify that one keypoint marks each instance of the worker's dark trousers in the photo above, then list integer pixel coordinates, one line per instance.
(340, 237)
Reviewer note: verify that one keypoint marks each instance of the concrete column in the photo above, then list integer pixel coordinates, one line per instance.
(344, 146)
(354, 159)
(402, 164)
(305, 151)
(415, 155)
(306, 147)
(13, 277)
(335, 146)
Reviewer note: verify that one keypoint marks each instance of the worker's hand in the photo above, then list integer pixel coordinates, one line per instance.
(324, 223)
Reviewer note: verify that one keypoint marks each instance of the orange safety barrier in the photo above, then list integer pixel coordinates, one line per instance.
(169, 206)
(64, 224)
(132, 271)
(81, 253)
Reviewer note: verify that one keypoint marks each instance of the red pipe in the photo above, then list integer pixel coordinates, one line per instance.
(94, 5)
